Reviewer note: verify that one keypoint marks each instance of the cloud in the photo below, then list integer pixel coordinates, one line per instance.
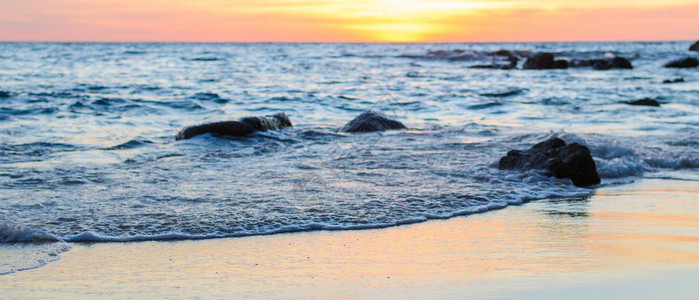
(345, 20)
(576, 24)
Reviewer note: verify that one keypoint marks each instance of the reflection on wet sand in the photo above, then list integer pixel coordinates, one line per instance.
(617, 236)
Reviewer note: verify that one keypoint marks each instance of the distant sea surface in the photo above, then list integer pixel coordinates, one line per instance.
(88, 150)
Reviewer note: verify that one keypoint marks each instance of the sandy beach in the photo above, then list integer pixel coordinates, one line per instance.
(633, 241)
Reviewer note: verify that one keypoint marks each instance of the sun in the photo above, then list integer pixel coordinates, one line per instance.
(397, 31)
(411, 20)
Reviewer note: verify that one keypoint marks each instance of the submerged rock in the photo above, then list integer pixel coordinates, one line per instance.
(510, 66)
(614, 63)
(563, 161)
(370, 121)
(509, 62)
(644, 102)
(603, 64)
(560, 64)
(694, 47)
(511, 58)
(446, 53)
(676, 80)
(503, 94)
(689, 62)
(452, 55)
(542, 61)
(243, 127)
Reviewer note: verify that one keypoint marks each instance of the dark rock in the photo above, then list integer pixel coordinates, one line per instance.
(4, 94)
(614, 63)
(694, 47)
(621, 63)
(560, 64)
(539, 61)
(495, 66)
(242, 127)
(644, 102)
(370, 121)
(603, 64)
(542, 61)
(492, 66)
(676, 80)
(689, 62)
(505, 53)
(563, 161)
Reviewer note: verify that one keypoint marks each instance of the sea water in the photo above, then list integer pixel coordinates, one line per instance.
(88, 150)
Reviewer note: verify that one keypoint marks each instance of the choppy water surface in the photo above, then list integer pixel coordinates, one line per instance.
(87, 147)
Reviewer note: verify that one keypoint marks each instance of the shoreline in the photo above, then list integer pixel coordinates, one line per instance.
(601, 246)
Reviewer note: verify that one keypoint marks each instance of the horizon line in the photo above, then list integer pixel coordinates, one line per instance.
(336, 42)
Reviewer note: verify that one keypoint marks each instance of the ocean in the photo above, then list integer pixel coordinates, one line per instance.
(88, 150)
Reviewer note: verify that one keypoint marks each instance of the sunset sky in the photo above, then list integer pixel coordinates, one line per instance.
(348, 20)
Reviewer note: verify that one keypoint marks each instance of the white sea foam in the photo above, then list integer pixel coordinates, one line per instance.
(679, 162)
(617, 159)
(24, 248)
(10, 233)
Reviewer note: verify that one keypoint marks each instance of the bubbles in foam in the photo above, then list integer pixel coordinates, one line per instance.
(14, 233)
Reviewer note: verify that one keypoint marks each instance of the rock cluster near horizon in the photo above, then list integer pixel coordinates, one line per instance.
(545, 60)
(508, 60)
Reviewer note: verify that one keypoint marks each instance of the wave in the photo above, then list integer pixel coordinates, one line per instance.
(488, 188)
(89, 88)
(92, 237)
(213, 97)
(615, 159)
(61, 95)
(203, 59)
(28, 112)
(176, 104)
(132, 144)
(484, 105)
(506, 93)
(134, 52)
(32, 151)
(10, 233)
(677, 163)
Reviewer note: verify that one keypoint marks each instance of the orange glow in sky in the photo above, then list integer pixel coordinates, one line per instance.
(348, 20)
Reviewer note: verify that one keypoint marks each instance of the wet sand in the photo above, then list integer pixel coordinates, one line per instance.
(633, 241)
